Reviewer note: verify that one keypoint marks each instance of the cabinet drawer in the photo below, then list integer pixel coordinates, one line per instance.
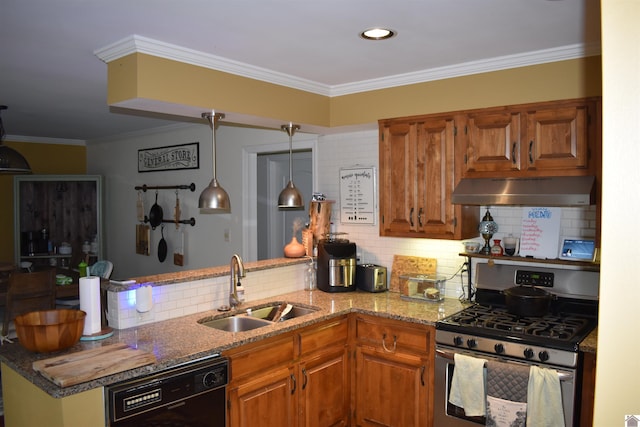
(319, 337)
(258, 357)
(390, 335)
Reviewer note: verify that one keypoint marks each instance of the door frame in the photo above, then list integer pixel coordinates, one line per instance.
(250, 192)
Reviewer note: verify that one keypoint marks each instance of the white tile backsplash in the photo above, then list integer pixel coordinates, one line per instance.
(182, 299)
(338, 151)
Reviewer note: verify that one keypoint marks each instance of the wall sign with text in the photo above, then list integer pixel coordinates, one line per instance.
(358, 195)
(173, 157)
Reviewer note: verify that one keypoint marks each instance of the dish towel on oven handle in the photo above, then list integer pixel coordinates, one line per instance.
(507, 385)
(468, 385)
(544, 398)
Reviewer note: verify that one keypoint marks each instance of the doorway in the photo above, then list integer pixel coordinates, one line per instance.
(275, 226)
(303, 142)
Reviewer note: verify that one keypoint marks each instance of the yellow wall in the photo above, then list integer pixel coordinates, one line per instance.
(30, 406)
(546, 82)
(44, 159)
(146, 80)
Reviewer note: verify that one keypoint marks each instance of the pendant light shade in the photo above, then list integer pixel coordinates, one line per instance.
(11, 162)
(214, 199)
(290, 197)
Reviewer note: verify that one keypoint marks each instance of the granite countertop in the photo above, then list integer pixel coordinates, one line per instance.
(183, 339)
(590, 343)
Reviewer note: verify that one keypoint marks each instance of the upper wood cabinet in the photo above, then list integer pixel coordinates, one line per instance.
(418, 173)
(544, 139)
(422, 158)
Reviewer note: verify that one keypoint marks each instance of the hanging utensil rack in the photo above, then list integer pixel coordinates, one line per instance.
(146, 187)
(191, 221)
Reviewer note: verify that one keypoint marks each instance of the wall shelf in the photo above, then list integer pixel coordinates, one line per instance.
(146, 187)
(586, 265)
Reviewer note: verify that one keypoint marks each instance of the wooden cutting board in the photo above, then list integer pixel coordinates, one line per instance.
(87, 365)
(403, 264)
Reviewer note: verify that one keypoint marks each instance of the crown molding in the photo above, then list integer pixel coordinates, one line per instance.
(44, 140)
(469, 68)
(140, 44)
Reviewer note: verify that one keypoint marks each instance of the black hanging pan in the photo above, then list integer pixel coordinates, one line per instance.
(162, 247)
(155, 214)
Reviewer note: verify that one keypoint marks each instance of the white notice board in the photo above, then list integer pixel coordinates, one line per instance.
(540, 232)
(358, 195)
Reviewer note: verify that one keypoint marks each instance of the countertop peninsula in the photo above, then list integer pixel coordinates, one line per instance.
(183, 339)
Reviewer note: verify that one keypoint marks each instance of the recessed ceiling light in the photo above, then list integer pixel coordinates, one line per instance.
(377, 34)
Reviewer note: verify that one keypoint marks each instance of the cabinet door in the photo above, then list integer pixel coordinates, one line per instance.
(558, 138)
(397, 179)
(324, 390)
(391, 389)
(493, 142)
(435, 177)
(394, 373)
(267, 400)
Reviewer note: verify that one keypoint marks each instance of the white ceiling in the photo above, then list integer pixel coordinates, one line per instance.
(55, 85)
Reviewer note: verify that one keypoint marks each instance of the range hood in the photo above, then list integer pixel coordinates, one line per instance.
(543, 191)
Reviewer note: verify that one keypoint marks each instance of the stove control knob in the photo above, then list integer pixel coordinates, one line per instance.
(457, 341)
(528, 353)
(471, 343)
(543, 355)
(499, 348)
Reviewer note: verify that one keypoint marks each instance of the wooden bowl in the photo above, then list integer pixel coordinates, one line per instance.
(50, 330)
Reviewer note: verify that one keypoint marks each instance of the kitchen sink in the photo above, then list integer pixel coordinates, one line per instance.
(266, 312)
(254, 317)
(236, 323)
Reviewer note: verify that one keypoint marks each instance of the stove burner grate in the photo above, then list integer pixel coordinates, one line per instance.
(553, 326)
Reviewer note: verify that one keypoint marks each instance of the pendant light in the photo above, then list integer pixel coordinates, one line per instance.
(11, 162)
(290, 197)
(214, 199)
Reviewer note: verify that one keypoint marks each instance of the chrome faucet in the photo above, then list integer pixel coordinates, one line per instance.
(236, 262)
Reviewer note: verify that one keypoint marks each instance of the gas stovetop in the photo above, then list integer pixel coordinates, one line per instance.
(561, 331)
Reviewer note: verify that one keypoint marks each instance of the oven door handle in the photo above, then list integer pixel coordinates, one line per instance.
(562, 376)
(444, 354)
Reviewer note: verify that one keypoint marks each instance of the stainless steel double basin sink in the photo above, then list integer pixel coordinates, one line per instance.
(254, 317)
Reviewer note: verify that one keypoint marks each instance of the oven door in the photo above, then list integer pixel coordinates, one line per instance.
(446, 414)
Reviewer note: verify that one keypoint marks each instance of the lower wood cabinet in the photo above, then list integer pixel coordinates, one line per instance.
(265, 400)
(588, 389)
(393, 373)
(356, 370)
(296, 379)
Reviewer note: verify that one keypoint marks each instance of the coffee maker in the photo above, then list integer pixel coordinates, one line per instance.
(336, 265)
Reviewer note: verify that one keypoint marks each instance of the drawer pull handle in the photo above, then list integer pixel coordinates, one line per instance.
(293, 379)
(384, 344)
(304, 380)
(420, 217)
(411, 217)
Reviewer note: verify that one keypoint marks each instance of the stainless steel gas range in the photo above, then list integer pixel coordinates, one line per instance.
(487, 330)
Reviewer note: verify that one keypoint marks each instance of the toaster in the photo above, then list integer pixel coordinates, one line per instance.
(371, 278)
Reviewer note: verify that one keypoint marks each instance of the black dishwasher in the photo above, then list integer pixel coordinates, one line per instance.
(190, 395)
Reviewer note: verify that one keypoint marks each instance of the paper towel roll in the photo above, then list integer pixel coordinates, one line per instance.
(90, 303)
(144, 298)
